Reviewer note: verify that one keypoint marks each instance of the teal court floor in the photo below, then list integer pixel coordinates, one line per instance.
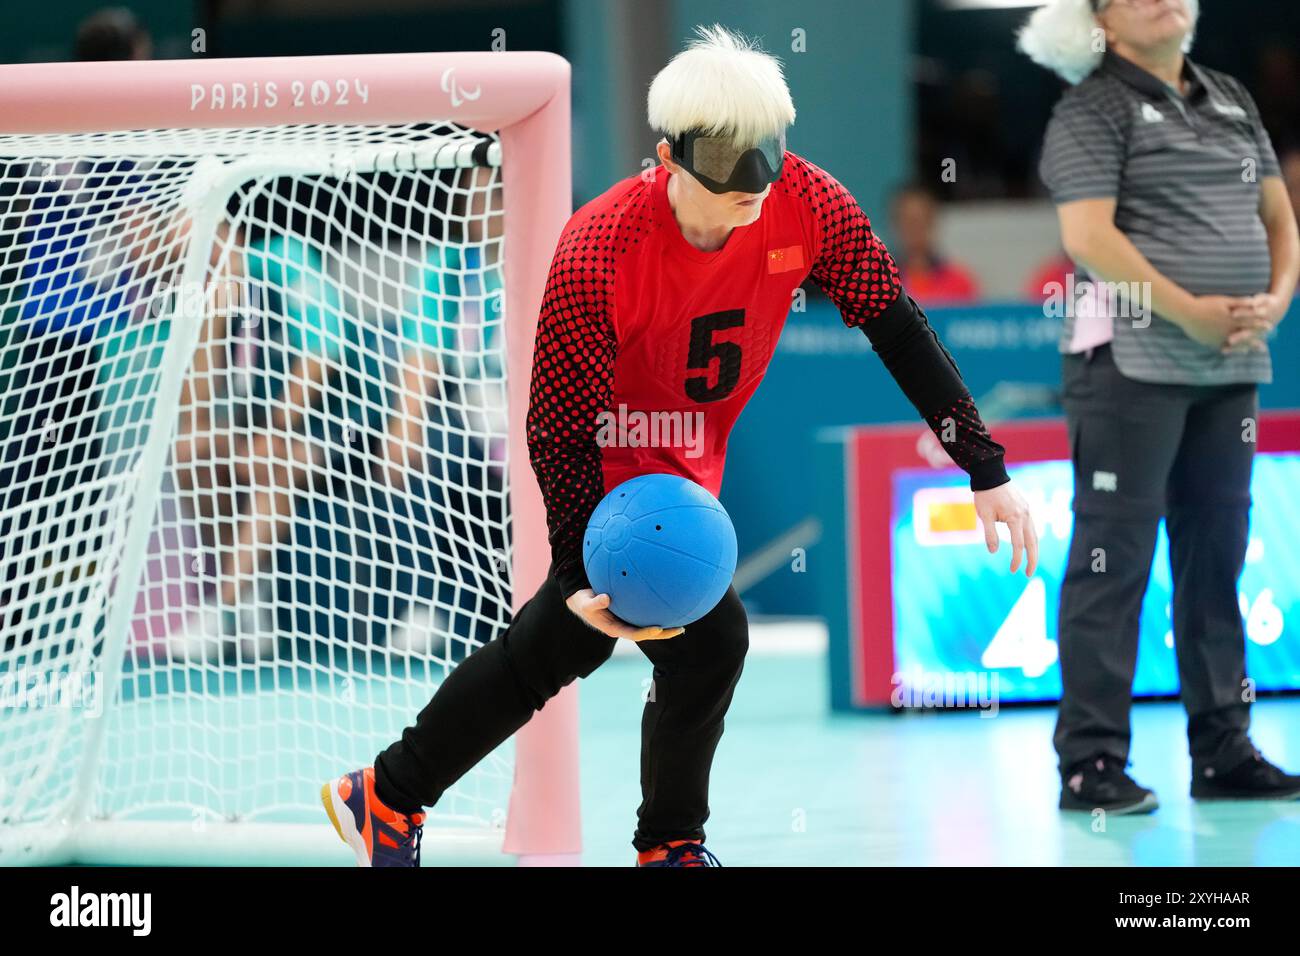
(794, 785)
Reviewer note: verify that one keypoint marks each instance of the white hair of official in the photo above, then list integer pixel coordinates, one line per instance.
(722, 84)
(1064, 36)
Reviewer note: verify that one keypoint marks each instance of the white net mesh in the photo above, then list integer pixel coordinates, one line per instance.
(253, 503)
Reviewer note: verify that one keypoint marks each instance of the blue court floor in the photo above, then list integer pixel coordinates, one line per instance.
(793, 785)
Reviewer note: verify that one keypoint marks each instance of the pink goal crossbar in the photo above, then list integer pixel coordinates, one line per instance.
(524, 97)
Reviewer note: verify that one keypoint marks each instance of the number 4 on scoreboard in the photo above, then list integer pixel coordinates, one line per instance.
(1021, 641)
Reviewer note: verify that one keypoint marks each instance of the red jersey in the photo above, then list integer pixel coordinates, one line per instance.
(636, 321)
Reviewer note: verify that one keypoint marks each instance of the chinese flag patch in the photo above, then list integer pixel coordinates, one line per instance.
(784, 260)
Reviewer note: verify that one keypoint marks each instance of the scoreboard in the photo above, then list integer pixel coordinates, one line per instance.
(920, 607)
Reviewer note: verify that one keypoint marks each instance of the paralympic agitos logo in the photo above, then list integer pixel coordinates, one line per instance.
(455, 91)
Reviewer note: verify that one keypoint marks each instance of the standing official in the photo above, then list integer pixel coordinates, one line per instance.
(1164, 180)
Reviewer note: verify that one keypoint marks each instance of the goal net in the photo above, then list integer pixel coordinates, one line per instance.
(255, 476)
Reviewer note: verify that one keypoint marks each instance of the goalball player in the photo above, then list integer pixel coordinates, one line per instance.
(668, 293)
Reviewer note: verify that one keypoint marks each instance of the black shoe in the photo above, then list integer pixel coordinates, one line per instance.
(1252, 779)
(1100, 783)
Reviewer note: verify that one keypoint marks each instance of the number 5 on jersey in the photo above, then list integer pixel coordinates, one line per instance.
(704, 350)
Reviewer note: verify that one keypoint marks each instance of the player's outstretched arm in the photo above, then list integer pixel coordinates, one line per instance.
(858, 274)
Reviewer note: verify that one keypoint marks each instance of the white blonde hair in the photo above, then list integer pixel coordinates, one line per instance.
(723, 84)
(1060, 36)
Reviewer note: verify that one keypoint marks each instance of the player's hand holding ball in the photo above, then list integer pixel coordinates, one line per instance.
(594, 609)
(660, 552)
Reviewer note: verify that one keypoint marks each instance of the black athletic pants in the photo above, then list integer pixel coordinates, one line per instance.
(1142, 451)
(494, 691)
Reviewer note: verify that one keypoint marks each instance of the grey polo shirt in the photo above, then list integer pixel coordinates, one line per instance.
(1185, 174)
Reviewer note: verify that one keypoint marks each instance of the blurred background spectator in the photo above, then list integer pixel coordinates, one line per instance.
(1050, 272)
(928, 276)
(113, 33)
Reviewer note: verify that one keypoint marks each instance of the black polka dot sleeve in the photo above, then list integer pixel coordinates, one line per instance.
(858, 274)
(572, 383)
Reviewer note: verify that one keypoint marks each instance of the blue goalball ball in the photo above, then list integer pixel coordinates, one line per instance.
(662, 548)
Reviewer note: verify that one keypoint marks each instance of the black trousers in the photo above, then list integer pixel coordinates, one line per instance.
(494, 691)
(1142, 451)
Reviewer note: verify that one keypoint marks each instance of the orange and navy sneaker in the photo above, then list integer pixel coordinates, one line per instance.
(378, 835)
(677, 853)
